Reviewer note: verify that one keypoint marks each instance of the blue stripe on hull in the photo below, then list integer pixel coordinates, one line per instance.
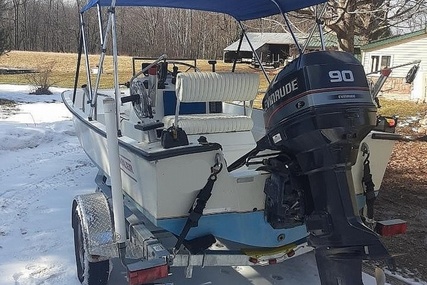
(246, 228)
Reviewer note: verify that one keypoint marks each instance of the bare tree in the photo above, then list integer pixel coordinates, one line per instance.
(52, 25)
(368, 19)
(16, 4)
(4, 45)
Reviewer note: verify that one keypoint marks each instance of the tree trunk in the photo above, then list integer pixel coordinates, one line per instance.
(345, 27)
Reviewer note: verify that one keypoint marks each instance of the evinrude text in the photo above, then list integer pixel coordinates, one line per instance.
(281, 92)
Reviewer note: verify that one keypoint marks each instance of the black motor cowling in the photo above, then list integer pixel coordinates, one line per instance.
(317, 111)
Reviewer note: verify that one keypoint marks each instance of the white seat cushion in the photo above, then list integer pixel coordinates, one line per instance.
(210, 123)
(212, 86)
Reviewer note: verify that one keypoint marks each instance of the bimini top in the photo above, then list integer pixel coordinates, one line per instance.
(239, 9)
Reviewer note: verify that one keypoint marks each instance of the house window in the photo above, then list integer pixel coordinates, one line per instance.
(385, 61)
(379, 62)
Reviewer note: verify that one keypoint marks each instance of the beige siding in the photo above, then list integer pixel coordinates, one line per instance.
(400, 54)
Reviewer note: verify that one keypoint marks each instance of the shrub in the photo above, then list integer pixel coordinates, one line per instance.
(42, 79)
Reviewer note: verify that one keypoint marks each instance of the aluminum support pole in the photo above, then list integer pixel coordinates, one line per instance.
(314, 29)
(101, 34)
(254, 52)
(115, 67)
(88, 77)
(238, 50)
(288, 25)
(102, 59)
(114, 164)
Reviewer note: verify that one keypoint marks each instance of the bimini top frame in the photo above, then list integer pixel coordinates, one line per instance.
(239, 9)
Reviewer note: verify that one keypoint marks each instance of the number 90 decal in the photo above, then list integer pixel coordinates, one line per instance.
(341, 75)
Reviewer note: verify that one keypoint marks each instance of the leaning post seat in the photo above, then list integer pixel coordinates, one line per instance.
(213, 87)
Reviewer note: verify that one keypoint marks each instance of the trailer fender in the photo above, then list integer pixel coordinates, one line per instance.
(93, 212)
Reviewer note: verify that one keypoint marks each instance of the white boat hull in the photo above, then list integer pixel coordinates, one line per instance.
(164, 187)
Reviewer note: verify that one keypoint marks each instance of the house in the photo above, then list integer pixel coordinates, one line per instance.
(394, 51)
(279, 47)
(270, 47)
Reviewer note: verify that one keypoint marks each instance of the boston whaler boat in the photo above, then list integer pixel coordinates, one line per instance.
(191, 175)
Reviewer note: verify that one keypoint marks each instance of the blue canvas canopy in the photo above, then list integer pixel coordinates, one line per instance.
(239, 9)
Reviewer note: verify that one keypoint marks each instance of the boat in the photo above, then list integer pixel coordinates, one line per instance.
(190, 174)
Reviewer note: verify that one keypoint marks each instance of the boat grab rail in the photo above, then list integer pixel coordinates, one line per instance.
(161, 58)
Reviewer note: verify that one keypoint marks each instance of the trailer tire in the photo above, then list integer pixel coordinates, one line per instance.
(88, 273)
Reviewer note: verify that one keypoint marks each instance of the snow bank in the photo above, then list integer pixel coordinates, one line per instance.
(42, 168)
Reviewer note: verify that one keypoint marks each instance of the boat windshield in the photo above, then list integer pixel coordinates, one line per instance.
(241, 10)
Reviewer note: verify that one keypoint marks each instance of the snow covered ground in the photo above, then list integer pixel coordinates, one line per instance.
(42, 168)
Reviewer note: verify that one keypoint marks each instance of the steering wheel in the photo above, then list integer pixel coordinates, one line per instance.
(190, 66)
(143, 105)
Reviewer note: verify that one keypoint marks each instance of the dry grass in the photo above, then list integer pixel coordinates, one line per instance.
(65, 66)
(403, 109)
(64, 69)
(63, 72)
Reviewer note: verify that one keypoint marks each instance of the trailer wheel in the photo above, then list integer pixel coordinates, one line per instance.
(89, 273)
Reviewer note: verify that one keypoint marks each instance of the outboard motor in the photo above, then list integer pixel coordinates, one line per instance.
(317, 111)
